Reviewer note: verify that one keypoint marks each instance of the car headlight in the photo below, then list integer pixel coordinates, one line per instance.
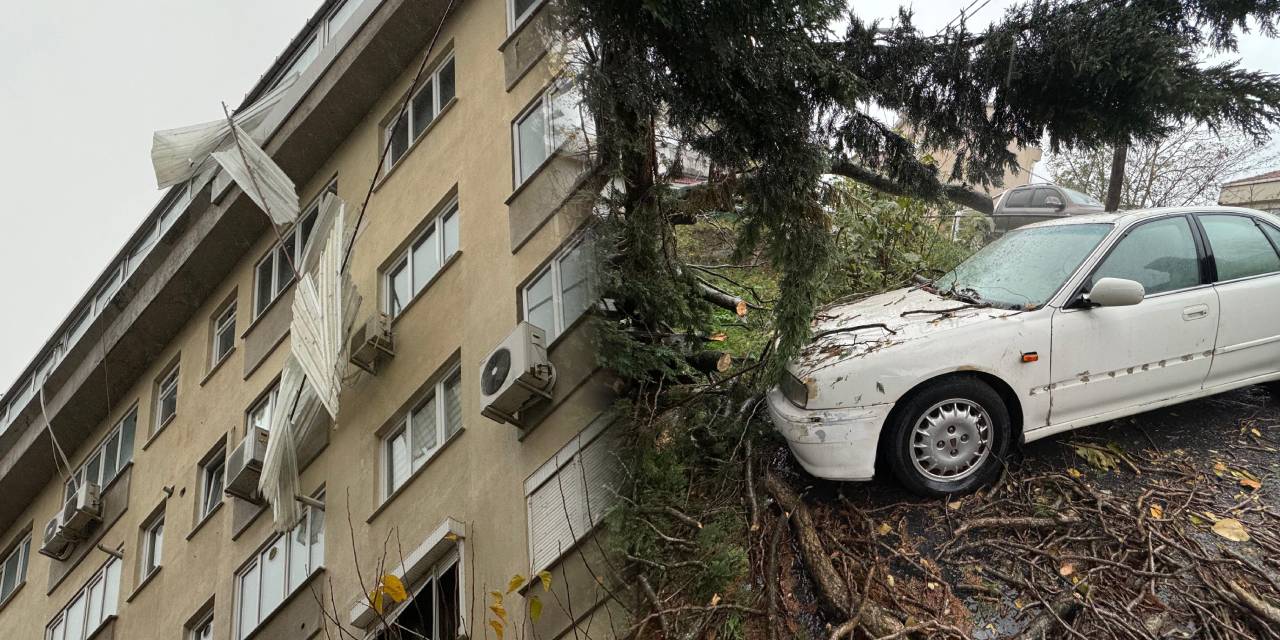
(795, 390)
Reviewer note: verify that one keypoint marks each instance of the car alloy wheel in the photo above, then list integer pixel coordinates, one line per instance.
(951, 440)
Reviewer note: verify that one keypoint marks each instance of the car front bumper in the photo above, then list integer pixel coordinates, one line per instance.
(835, 444)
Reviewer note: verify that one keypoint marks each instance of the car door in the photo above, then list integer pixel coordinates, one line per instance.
(1247, 279)
(1112, 359)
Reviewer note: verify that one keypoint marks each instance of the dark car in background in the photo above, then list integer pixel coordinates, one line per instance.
(1024, 205)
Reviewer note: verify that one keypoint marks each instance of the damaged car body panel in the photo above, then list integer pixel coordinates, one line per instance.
(1017, 317)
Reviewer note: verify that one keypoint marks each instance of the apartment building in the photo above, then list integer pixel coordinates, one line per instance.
(154, 388)
(1260, 192)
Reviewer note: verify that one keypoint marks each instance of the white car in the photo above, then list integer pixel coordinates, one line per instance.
(1052, 327)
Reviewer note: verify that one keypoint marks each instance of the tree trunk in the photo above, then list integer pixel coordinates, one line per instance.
(1116, 184)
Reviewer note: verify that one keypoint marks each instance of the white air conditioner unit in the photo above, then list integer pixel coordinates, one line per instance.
(516, 375)
(244, 465)
(83, 510)
(56, 543)
(371, 343)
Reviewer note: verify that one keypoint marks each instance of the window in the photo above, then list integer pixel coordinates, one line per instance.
(436, 93)
(1041, 197)
(275, 272)
(435, 608)
(424, 430)
(224, 333)
(1239, 247)
(1019, 198)
(563, 291)
(1161, 255)
(108, 289)
(520, 10)
(106, 461)
(13, 573)
(278, 570)
(555, 120)
(92, 606)
(166, 399)
(213, 474)
(571, 493)
(422, 260)
(152, 545)
(259, 415)
(202, 630)
(340, 16)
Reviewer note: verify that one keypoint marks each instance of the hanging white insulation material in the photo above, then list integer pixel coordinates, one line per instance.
(324, 308)
(196, 152)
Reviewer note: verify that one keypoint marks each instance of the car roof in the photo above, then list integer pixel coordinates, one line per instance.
(1129, 217)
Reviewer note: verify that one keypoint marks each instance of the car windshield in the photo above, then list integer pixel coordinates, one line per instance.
(1025, 267)
(1081, 198)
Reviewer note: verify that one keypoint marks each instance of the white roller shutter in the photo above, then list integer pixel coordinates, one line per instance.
(571, 494)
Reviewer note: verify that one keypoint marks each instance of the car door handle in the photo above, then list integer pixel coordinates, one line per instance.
(1195, 312)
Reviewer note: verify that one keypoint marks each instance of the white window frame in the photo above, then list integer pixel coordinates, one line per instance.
(405, 261)
(152, 546)
(552, 140)
(433, 83)
(103, 579)
(403, 428)
(202, 629)
(122, 457)
(240, 631)
(225, 320)
(266, 402)
(431, 579)
(580, 241)
(514, 21)
(211, 496)
(276, 255)
(168, 383)
(21, 552)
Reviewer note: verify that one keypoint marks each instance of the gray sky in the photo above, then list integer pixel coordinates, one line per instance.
(84, 83)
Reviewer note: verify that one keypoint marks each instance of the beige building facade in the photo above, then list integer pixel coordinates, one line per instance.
(1261, 192)
(171, 359)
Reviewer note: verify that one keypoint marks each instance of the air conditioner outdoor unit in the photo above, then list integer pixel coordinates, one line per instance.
(516, 374)
(371, 343)
(56, 543)
(244, 465)
(82, 510)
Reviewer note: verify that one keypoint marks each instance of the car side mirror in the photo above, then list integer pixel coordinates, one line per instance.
(1055, 202)
(1116, 292)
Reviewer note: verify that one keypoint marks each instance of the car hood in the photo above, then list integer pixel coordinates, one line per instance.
(886, 321)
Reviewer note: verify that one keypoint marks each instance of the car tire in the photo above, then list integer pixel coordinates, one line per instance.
(949, 438)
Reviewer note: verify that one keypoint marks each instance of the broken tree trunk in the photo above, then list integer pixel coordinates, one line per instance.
(723, 300)
(711, 361)
(835, 595)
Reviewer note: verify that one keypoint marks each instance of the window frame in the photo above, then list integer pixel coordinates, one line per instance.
(224, 320)
(196, 629)
(265, 399)
(436, 227)
(437, 107)
(22, 551)
(255, 563)
(152, 556)
(515, 22)
(214, 463)
(299, 240)
(168, 382)
(582, 240)
(99, 452)
(452, 559)
(403, 426)
(88, 628)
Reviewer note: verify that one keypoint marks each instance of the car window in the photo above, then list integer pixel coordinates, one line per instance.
(1161, 255)
(1039, 199)
(1019, 198)
(1080, 198)
(1026, 266)
(1272, 233)
(1239, 248)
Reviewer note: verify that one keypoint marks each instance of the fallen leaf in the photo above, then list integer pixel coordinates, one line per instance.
(1251, 483)
(1219, 468)
(1066, 569)
(884, 529)
(1256, 432)
(931, 585)
(1231, 529)
(1195, 519)
(890, 580)
(955, 506)
(1097, 458)
(1074, 473)
(1157, 511)
(715, 599)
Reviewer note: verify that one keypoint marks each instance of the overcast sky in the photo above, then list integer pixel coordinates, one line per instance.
(84, 83)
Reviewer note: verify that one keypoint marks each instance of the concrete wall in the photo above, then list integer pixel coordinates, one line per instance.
(1255, 195)
(472, 305)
